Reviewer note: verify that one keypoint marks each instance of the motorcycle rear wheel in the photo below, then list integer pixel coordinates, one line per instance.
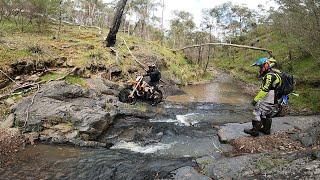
(158, 96)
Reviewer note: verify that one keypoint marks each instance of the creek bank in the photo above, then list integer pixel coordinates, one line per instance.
(275, 165)
(291, 151)
(64, 113)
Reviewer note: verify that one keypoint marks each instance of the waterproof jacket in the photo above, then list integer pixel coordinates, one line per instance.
(271, 81)
(155, 76)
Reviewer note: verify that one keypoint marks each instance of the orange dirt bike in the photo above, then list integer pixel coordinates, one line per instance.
(142, 90)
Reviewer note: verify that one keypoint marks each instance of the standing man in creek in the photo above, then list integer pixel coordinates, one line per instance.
(265, 101)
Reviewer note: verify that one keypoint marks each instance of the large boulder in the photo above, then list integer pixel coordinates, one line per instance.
(61, 103)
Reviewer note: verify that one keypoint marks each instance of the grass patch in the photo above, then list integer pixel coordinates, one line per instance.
(309, 98)
(141, 107)
(265, 164)
(51, 77)
(76, 81)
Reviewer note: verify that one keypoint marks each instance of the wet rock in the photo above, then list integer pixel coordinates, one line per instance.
(112, 85)
(8, 123)
(206, 161)
(63, 91)
(59, 102)
(309, 136)
(189, 173)
(134, 113)
(232, 131)
(62, 112)
(99, 86)
(230, 168)
(71, 163)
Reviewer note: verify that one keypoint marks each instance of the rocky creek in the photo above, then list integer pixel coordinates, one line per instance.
(175, 140)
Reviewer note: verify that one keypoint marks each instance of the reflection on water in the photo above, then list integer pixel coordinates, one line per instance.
(221, 90)
(50, 152)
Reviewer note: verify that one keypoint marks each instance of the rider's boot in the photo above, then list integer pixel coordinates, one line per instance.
(256, 126)
(266, 122)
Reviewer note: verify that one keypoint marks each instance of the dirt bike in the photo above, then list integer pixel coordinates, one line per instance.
(140, 89)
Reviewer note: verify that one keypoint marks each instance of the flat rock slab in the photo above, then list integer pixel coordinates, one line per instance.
(232, 131)
(188, 173)
(226, 168)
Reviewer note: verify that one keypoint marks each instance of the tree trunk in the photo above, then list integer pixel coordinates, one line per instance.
(112, 36)
(199, 56)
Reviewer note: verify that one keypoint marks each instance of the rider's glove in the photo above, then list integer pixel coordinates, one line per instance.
(253, 103)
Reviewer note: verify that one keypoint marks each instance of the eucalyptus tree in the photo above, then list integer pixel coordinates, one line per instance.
(181, 27)
(144, 10)
(112, 36)
(299, 21)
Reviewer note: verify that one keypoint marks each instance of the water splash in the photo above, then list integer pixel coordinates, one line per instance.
(182, 120)
(136, 147)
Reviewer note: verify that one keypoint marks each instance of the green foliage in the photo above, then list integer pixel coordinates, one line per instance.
(299, 22)
(140, 107)
(264, 164)
(50, 77)
(76, 81)
(308, 98)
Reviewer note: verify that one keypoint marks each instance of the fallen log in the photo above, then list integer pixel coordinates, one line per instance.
(225, 44)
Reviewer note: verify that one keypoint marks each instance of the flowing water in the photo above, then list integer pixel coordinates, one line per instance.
(145, 148)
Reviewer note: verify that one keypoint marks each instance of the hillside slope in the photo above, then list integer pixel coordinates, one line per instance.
(39, 53)
(84, 47)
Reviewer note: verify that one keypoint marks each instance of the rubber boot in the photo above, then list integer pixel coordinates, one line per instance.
(266, 122)
(256, 127)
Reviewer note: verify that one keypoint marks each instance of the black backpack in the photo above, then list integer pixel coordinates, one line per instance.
(287, 85)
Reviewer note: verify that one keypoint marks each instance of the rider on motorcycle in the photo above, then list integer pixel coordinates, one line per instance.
(265, 101)
(155, 77)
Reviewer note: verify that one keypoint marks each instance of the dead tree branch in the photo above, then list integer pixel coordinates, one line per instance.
(226, 44)
(28, 87)
(9, 77)
(140, 63)
(27, 110)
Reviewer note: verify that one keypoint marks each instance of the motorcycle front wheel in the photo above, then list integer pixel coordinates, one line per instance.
(124, 96)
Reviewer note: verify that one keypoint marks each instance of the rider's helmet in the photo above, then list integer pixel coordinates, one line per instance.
(265, 64)
(152, 66)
